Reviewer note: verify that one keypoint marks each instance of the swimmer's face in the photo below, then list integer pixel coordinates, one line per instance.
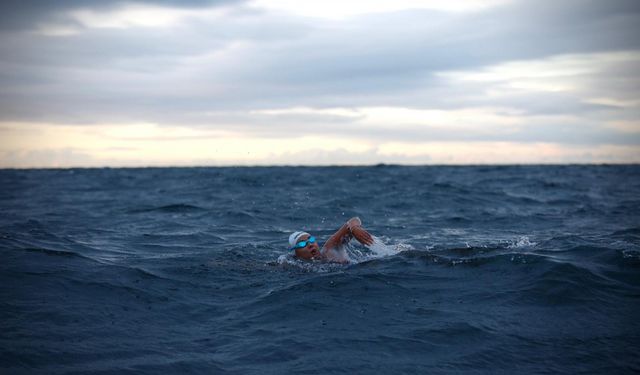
(309, 252)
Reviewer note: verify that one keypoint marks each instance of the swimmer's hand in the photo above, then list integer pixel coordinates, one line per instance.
(362, 236)
(354, 222)
(355, 227)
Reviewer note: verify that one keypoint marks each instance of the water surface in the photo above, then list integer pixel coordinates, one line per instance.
(186, 271)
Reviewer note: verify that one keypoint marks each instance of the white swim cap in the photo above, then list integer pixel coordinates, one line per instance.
(293, 238)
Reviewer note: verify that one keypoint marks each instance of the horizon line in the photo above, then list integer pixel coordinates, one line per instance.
(373, 165)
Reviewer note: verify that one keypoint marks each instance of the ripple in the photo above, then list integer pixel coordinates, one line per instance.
(171, 208)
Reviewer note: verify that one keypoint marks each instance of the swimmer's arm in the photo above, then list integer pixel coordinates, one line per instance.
(343, 235)
(352, 228)
(331, 251)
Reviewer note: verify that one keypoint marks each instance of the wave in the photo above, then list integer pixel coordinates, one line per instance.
(597, 265)
(485, 269)
(170, 208)
(357, 254)
(52, 252)
(633, 232)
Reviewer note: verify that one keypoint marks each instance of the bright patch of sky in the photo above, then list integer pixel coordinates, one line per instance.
(340, 9)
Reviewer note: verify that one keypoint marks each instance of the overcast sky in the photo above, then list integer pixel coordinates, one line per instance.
(255, 82)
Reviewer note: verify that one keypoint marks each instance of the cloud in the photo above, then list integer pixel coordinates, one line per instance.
(25, 15)
(250, 60)
(526, 72)
(337, 9)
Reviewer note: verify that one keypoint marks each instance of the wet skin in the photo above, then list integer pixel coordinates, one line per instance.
(309, 252)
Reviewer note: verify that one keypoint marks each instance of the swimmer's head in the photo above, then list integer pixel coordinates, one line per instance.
(293, 238)
(305, 245)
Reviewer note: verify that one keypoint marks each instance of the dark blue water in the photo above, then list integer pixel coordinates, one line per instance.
(185, 271)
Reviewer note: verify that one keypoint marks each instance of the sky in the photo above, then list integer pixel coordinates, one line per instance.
(292, 82)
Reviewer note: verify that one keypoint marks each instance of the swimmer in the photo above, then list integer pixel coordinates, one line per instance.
(306, 247)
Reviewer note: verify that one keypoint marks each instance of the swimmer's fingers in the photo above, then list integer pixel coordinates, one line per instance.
(367, 240)
(362, 236)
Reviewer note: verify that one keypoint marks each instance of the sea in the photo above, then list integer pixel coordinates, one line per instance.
(474, 270)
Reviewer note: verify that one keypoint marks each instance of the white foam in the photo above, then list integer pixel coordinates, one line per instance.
(522, 241)
(291, 262)
(378, 249)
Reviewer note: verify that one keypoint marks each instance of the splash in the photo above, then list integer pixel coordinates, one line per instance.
(356, 253)
(290, 262)
(631, 254)
(523, 241)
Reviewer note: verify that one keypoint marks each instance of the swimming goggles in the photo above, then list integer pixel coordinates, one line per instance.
(302, 244)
